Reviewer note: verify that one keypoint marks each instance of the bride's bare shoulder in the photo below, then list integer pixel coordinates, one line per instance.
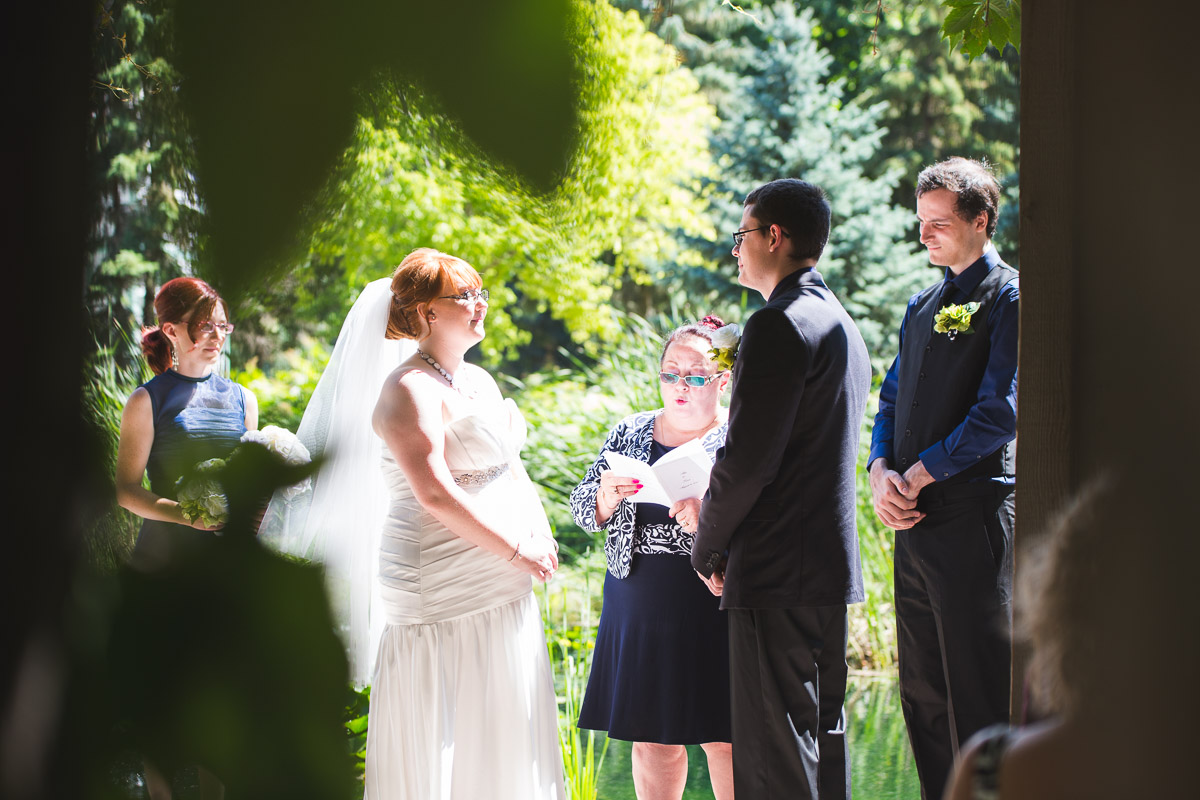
(408, 391)
(410, 376)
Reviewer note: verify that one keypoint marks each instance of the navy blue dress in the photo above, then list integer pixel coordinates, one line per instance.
(195, 419)
(661, 663)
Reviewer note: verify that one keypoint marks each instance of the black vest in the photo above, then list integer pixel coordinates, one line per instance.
(939, 380)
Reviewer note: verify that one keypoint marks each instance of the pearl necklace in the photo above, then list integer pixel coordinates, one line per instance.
(428, 359)
(431, 361)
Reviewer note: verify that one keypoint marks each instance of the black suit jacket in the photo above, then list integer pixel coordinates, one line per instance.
(781, 502)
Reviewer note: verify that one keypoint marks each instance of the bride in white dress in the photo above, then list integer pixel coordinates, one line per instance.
(462, 696)
(462, 705)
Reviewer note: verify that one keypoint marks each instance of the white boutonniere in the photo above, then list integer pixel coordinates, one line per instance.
(725, 341)
(953, 320)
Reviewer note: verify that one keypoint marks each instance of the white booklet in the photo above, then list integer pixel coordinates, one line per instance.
(679, 475)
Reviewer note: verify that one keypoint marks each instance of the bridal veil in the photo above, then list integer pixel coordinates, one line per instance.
(338, 522)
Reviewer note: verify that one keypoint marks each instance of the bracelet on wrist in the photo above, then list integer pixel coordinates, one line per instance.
(516, 550)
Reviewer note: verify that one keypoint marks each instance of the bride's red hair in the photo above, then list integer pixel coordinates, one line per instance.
(424, 275)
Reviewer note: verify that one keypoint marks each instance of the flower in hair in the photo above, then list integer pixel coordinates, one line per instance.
(725, 341)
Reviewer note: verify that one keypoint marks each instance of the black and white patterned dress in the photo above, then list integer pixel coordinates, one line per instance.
(660, 670)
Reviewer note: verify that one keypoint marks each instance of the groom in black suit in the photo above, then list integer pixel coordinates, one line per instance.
(777, 536)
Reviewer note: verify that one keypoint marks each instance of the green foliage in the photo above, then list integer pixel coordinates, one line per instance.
(974, 25)
(570, 637)
(145, 201)
(411, 178)
(358, 702)
(941, 104)
(107, 384)
(638, 185)
(937, 102)
(227, 658)
(261, 108)
(784, 114)
(283, 395)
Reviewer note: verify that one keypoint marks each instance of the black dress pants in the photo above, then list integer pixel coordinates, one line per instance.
(787, 669)
(954, 612)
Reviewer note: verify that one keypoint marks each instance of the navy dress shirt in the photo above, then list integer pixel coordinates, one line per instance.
(992, 420)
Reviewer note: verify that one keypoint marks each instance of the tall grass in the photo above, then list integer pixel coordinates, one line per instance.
(569, 611)
(873, 622)
(112, 531)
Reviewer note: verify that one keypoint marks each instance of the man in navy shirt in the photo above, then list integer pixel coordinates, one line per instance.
(942, 473)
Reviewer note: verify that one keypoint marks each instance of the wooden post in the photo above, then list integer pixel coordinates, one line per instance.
(1044, 451)
(1110, 349)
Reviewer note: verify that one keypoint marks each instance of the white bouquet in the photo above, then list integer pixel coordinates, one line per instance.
(201, 495)
(287, 446)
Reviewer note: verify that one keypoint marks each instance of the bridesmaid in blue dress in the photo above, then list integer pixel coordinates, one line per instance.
(185, 414)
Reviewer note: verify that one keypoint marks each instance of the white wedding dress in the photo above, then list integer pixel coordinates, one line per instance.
(462, 701)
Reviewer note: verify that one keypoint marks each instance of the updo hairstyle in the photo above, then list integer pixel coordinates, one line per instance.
(423, 276)
(703, 329)
(179, 301)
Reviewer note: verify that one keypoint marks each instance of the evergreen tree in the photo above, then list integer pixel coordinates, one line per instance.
(938, 103)
(146, 207)
(782, 115)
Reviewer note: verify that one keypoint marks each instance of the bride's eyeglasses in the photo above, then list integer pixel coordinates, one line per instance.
(469, 296)
(691, 380)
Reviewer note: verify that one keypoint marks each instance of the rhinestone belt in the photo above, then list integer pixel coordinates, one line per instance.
(480, 477)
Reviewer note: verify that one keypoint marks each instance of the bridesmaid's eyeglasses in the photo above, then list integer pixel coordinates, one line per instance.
(208, 327)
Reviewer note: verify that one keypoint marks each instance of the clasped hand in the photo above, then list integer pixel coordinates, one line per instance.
(715, 582)
(537, 555)
(895, 496)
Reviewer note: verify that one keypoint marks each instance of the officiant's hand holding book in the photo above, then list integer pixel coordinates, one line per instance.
(681, 474)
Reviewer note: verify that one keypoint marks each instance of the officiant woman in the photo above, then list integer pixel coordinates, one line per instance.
(662, 648)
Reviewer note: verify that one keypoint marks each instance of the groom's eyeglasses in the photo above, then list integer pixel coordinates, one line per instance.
(690, 380)
(470, 295)
(739, 235)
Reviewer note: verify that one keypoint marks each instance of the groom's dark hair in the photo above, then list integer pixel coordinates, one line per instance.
(800, 208)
